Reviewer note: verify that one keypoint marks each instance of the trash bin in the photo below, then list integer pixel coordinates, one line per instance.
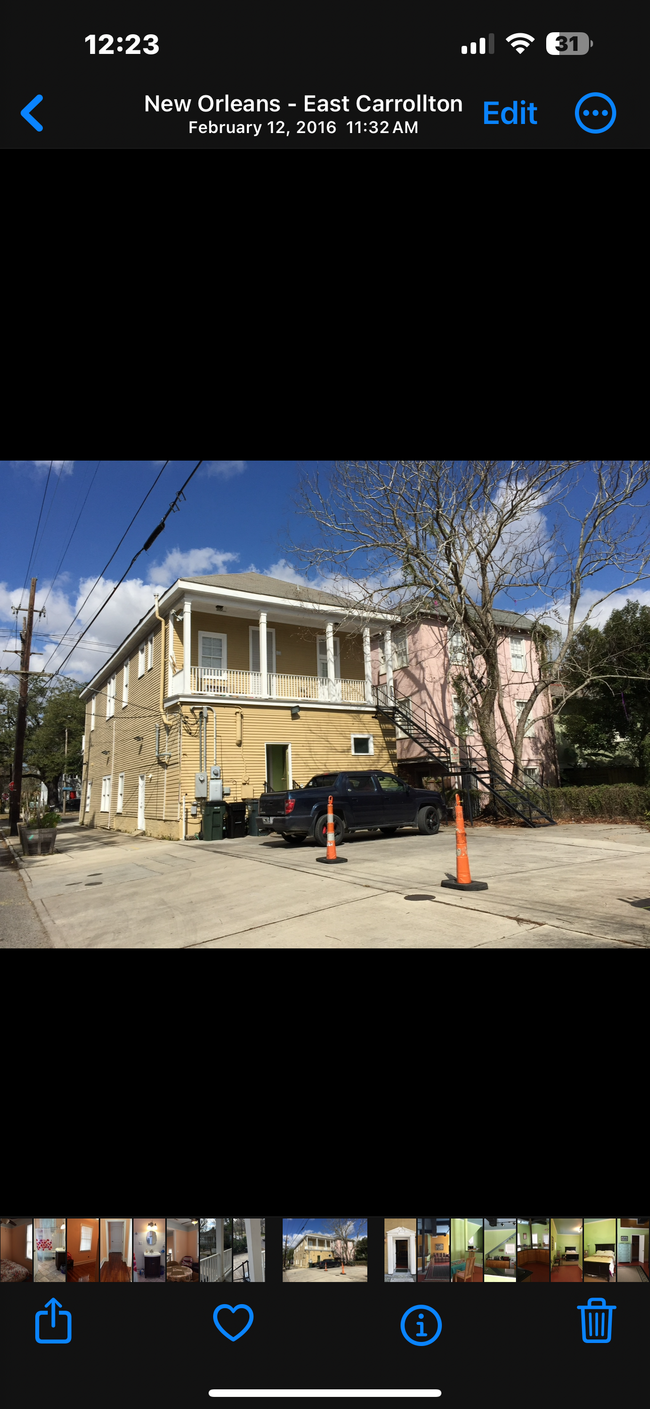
(236, 819)
(596, 1321)
(213, 821)
(253, 804)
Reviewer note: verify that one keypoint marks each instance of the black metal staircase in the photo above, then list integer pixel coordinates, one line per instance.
(524, 801)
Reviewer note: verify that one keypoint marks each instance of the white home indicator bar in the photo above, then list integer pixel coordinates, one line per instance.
(325, 1393)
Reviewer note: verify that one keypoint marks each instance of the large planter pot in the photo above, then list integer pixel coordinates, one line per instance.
(37, 841)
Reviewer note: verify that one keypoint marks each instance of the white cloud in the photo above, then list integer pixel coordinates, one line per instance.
(196, 562)
(64, 467)
(225, 469)
(601, 612)
(284, 571)
(131, 602)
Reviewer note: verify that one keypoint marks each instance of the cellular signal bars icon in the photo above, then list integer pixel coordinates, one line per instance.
(472, 49)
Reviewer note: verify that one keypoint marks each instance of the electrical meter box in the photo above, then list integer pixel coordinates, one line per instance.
(215, 771)
(201, 785)
(216, 789)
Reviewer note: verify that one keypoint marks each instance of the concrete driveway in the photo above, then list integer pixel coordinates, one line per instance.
(560, 887)
(332, 1274)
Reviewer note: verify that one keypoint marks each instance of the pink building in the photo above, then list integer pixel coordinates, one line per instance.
(425, 658)
(338, 1246)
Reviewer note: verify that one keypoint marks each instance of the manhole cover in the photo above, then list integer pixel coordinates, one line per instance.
(419, 897)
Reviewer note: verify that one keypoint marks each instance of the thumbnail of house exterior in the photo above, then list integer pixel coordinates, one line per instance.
(280, 676)
(312, 1249)
(417, 664)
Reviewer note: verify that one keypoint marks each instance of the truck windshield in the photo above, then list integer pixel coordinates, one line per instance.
(323, 780)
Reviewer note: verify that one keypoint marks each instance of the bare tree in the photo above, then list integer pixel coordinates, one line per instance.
(342, 1231)
(470, 537)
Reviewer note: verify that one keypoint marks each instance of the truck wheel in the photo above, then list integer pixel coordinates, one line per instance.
(293, 840)
(388, 831)
(320, 831)
(429, 821)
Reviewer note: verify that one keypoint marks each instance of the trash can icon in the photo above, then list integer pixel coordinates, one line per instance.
(596, 1321)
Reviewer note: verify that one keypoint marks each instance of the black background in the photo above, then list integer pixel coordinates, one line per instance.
(137, 1348)
(286, 49)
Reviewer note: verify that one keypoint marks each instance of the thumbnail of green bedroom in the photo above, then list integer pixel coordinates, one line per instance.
(633, 1249)
(566, 1249)
(467, 1249)
(600, 1250)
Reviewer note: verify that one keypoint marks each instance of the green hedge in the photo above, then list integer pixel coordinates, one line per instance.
(619, 800)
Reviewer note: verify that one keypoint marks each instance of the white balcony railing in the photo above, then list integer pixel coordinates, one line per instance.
(216, 1267)
(206, 680)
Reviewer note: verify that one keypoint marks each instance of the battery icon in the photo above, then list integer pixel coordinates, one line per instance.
(558, 43)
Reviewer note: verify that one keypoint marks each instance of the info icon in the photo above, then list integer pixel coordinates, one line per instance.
(595, 113)
(420, 1325)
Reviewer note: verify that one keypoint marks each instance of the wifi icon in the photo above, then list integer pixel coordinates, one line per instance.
(520, 42)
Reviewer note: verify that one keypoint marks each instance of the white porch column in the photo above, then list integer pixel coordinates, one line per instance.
(263, 655)
(329, 637)
(367, 664)
(218, 1246)
(388, 657)
(254, 1245)
(187, 647)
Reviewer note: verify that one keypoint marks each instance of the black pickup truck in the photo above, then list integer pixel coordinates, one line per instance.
(362, 802)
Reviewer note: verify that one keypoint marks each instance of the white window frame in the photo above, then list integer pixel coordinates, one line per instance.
(86, 1238)
(456, 648)
(271, 655)
(88, 792)
(530, 728)
(400, 649)
(517, 653)
(120, 793)
(92, 711)
(371, 749)
(141, 660)
(106, 793)
(220, 635)
(110, 696)
(337, 658)
(28, 1240)
(125, 683)
(150, 652)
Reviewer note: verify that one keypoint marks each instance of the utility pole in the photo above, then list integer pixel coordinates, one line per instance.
(65, 765)
(21, 722)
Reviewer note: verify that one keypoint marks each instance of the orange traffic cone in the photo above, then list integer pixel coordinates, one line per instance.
(342, 1269)
(463, 879)
(331, 848)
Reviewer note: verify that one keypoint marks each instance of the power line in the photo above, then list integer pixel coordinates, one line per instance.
(61, 559)
(107, 565)
(49, 511)
(39, 520)
(144, 549)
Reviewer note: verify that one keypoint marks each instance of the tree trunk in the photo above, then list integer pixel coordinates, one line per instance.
(52, 797)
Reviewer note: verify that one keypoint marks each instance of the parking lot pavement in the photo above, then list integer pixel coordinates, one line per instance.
(333, 1274)
(560, 887)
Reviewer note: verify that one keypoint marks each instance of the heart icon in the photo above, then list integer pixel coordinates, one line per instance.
(225, 1306)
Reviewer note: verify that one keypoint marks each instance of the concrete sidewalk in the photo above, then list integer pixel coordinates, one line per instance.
(560, 887)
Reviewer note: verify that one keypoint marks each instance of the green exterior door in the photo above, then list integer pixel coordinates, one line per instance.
(277, 766)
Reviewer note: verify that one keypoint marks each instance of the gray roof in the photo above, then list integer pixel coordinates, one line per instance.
(267, 586)
(503, 618)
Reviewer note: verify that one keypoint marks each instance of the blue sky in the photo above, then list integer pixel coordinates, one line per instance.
(293, 1229)
(237, 516)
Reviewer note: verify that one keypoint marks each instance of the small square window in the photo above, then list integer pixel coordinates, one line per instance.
(363, 743)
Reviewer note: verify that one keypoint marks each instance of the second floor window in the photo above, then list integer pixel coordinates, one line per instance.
(457, 648)
(141, 661)
(517, 653)
(110, 697)
(150, 653)
(125, 684)
(400, 649)
(92, 713)
(530, 727)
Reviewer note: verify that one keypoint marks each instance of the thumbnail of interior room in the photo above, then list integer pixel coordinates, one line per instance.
(248, 1250)
(115, 1250)
(83, 1250)
(149, 1250)
(433, 1249)
(599, 1263)
(182, 1250)
(500, 1251)
(633, 1249)
(566, 1249)
(50, 1249)
(15, 1249)
(399, 1249)
(215, 1249)
(533, 1247)
(466, 1262)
